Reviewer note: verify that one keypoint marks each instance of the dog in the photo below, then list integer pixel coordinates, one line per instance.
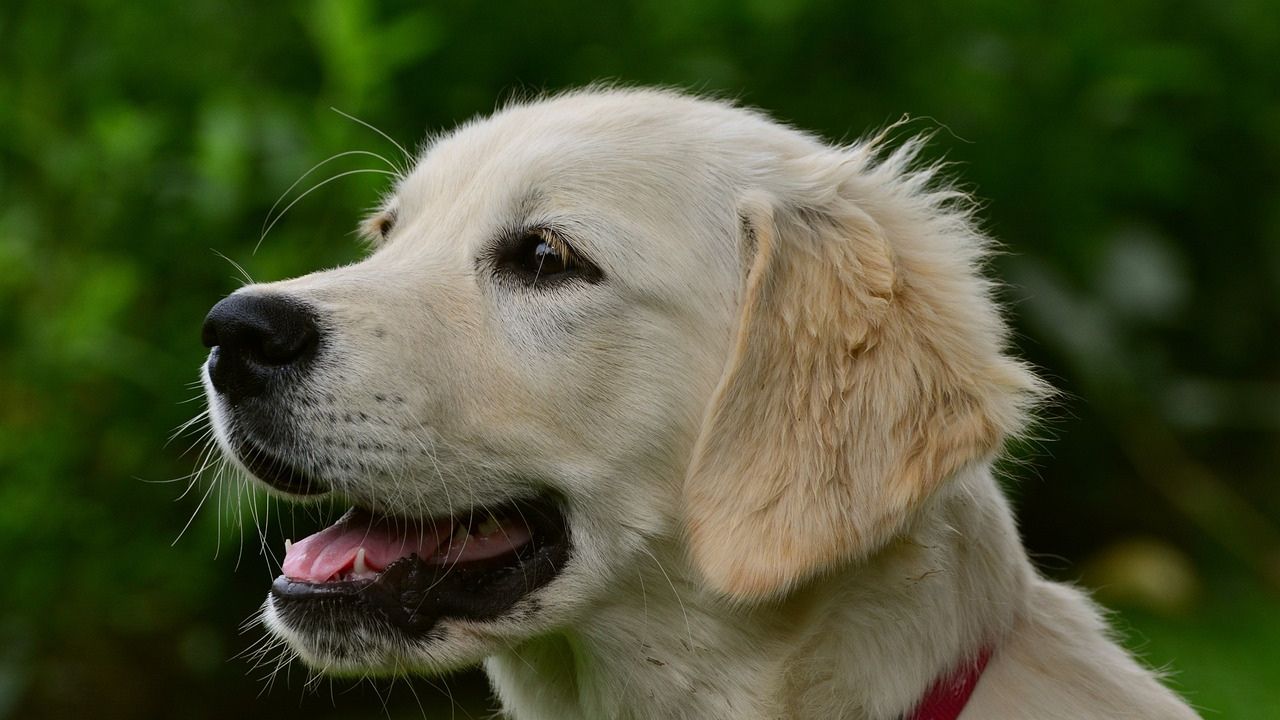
(659, 408)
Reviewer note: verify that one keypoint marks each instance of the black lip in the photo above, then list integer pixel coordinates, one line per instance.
(410, 596)
(276, 471)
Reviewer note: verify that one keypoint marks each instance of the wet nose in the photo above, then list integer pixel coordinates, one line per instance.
(256, 340)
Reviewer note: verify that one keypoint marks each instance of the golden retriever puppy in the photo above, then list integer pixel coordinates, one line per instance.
(661, 409)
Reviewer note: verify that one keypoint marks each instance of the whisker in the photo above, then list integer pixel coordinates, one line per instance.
(523, 575)
(407, 156)
(241, 489)
(244, 274)
(194, 513)
(687, 626)
(312, 189)
(317, 166)
(217, 482)
(417, 700)
(205, 438)
(203, 461)
(178, 431)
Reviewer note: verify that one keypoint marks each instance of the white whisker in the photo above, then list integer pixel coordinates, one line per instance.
(244, 274)
(407, 156)
(315, 167)
(687, 626)
(312, 189)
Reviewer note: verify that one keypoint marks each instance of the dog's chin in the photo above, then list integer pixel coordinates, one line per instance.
(384, 594)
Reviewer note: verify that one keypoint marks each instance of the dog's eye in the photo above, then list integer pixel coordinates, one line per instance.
(377, 227)
(541, 257)
(384, 225)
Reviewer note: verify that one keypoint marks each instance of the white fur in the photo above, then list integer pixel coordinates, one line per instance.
(741, 549)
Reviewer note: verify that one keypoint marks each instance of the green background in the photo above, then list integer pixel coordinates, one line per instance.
(1125, 153)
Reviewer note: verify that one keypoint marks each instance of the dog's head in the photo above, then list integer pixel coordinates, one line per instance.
(595, 323)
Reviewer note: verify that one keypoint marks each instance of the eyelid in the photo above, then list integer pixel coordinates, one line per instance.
(557, 243)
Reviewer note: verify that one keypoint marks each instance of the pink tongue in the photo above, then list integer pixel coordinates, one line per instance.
(332, 551)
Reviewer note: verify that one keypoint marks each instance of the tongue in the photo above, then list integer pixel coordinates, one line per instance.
(362, 545)
(335, 550)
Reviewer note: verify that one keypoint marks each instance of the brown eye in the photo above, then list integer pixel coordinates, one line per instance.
(541, 257)
(547, 259)
(384, 225)
(377, 227)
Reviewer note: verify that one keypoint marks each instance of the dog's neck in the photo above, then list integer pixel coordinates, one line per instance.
(667, 649)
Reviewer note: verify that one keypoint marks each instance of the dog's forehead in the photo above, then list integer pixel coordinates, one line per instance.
(560, 146)
(676, 156)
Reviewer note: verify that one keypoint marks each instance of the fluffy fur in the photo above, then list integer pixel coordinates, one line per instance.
(774, 422)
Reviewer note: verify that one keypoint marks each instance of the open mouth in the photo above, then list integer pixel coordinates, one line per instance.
(410, 573)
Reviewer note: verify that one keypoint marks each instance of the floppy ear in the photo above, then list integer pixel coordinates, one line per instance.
(866, 370)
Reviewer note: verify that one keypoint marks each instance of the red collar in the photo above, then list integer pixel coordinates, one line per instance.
(949, 694)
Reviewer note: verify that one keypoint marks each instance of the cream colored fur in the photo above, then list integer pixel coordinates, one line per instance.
(773, 421)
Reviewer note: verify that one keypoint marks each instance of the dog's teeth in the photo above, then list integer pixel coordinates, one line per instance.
(288, 544)
(360, 568)
(460, 534)
(489, 526)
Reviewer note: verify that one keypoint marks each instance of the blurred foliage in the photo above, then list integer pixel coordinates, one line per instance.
(1126, 153)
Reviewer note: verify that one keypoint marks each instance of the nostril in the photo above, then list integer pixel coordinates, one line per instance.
(288, 345)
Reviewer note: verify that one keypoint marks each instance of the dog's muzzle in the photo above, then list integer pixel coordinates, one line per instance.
(261, 348)
(394, 575)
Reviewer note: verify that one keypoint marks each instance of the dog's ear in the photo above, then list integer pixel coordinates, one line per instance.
(866, 370)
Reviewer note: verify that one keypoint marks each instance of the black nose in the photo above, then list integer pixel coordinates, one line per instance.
(256, 339)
